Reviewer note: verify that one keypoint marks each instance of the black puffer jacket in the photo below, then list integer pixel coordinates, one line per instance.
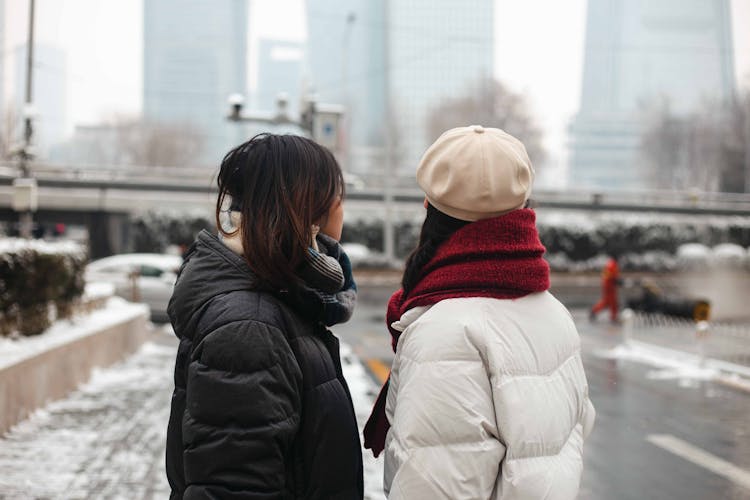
(260, 407)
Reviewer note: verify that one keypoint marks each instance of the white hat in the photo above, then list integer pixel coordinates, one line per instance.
(473, 173)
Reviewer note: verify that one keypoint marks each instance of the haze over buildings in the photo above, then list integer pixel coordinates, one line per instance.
(104, 73)
(49, 93)
(636, 53)
(194, 57)
(413, 54)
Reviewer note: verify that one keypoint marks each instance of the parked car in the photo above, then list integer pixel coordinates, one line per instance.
(139, 277)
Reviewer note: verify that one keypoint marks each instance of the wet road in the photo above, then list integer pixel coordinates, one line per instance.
(656, 436)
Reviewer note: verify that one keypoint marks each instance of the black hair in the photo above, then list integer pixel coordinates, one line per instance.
(437, 228)
(281, 184)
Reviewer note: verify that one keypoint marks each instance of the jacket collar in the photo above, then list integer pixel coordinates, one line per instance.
(409, 317)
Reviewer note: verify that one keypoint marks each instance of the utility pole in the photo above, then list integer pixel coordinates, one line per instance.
(746, 113)
(347, 120)
(27, 129)
(388, 239)
(24, 188)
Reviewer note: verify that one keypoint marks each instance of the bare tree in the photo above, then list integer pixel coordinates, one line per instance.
(141, 142)
(8, 126)
(663, 145)
(491, 104)
(706, 149)
(735, 147)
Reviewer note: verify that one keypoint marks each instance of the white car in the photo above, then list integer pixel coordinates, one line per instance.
(139, 277)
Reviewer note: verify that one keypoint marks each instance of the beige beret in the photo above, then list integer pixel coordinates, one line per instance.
(473, 173)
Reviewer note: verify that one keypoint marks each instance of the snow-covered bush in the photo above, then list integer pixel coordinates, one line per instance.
(33, 275)
(647, 242)
(154, 232)
(729, 255)
(693, 256)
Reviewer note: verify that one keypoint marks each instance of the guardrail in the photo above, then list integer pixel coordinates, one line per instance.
(726, 342)
(192, 179)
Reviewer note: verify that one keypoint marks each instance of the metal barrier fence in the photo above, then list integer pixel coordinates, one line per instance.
(726, 342)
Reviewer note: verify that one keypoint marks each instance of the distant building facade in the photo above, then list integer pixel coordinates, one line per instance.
(2, 60)
(194, 57)
(49, 96)
(637, 52)
(413, 54)
(345, 63)
(436, 50)
(280, 64)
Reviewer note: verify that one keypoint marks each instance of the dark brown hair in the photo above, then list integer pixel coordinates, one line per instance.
(281, 184)
(437, 228)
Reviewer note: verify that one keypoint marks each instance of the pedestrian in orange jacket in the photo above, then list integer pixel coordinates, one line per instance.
(610, 280)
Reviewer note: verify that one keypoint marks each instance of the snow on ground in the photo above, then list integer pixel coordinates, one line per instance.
(15, 245)
(688, 369)
(62, 332)
(364, 391)
(107, 439)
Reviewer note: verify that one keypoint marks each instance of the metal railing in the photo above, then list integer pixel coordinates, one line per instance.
(726, 342)
(204, 177)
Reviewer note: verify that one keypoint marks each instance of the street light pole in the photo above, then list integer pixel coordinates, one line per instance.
(24, 196)
(746, 112)
(28, 131)
(346, 144)
(388, 237)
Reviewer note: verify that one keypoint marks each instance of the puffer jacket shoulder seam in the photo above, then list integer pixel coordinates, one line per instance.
(436, 361)
(548, 373)
(559, 448)
(231, 427)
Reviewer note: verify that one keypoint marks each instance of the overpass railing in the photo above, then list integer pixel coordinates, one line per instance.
(203, 179)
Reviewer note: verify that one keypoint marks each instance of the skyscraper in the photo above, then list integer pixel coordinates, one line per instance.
(638, 51)
(414, 54)
(195, 56)
(49, 95)
(2, 60)
(436, 49)
(279, 70)
(345, 57)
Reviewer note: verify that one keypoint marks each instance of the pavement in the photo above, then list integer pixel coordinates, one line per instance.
(107, 439)
(660, 432)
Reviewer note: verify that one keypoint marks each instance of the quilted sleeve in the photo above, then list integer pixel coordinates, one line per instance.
(243, 402)
(443, 443)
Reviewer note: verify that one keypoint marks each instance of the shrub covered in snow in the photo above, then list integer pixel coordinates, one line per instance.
(693, 256)
(645, 242)
(575, 241)
(33, 275)
(153, 232)
(729, 255)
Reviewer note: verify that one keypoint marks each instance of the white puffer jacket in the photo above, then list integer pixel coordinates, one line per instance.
(487, 400)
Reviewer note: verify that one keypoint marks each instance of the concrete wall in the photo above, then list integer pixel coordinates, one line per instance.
(32, 382)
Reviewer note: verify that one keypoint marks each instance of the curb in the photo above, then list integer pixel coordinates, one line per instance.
(55, 367)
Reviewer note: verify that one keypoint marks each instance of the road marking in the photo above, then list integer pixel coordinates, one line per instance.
(702, 458)
(379, 369)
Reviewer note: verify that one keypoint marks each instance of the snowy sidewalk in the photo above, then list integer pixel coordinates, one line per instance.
(107, 439)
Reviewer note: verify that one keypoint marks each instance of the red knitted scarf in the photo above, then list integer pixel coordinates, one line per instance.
(499, 258)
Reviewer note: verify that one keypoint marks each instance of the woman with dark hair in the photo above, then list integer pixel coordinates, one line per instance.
(260, 407)
(487, 396)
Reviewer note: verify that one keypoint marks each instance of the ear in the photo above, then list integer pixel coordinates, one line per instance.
(425, 203)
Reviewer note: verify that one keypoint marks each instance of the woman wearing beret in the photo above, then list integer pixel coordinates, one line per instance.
(487, 396)
(260, 407)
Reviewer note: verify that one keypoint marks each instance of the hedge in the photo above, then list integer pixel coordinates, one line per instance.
(35, 275)
(574, 241)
